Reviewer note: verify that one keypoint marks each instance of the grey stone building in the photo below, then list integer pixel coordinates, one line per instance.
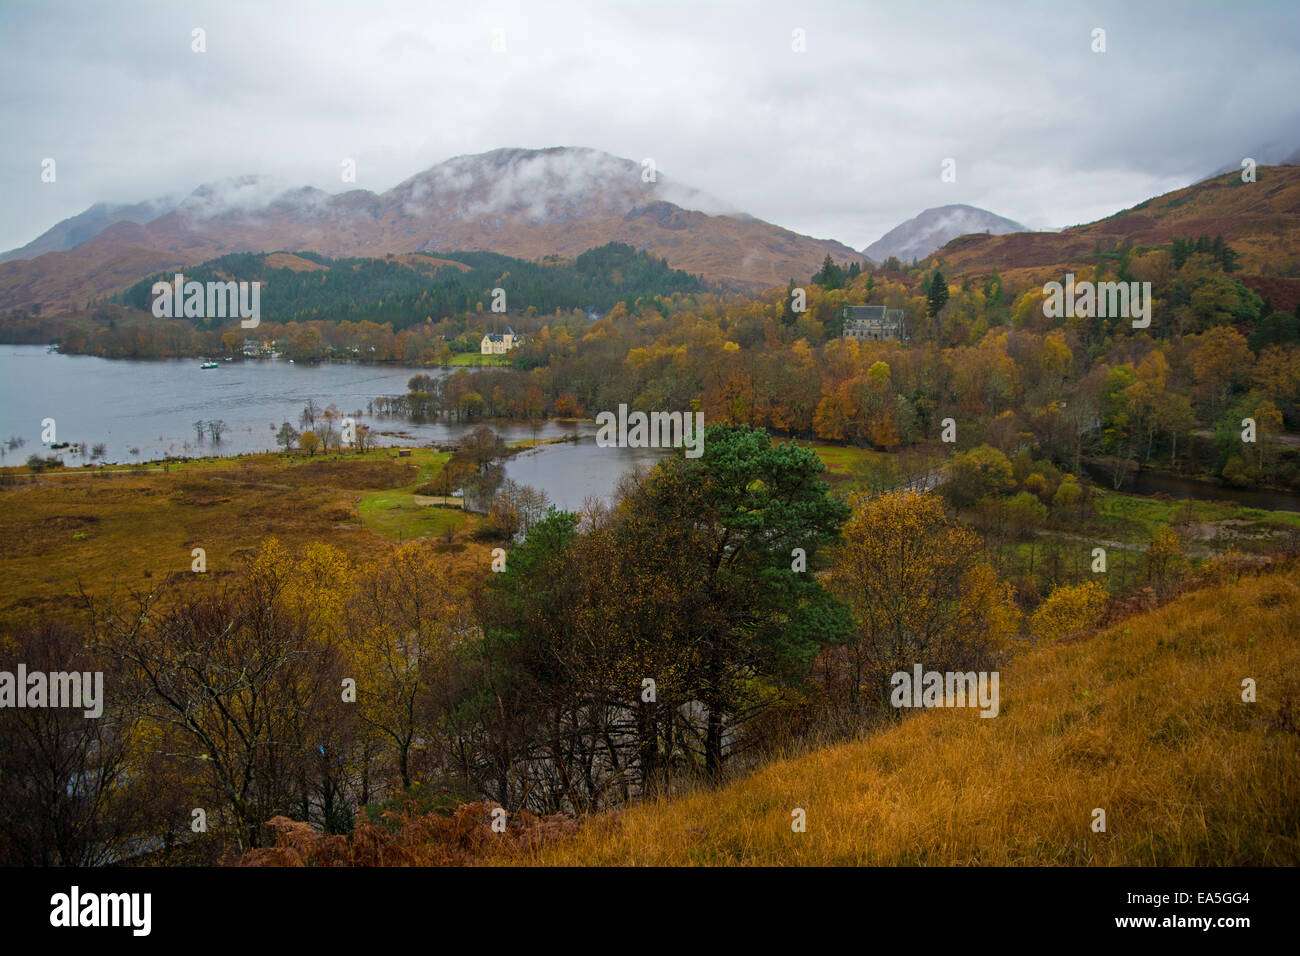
(873, 323)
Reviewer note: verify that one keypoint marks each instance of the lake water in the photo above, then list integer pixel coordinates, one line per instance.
(1154, 483)
(150, 405)
(573, 471)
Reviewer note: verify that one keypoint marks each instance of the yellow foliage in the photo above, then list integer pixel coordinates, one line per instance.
(1067, 609)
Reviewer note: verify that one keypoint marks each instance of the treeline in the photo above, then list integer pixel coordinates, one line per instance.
(490, 393)
(980, 352)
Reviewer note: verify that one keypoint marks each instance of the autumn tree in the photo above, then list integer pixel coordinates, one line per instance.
(406, 620)
(1165, 560)
(920, 591)
(239, 683)
(976, 474)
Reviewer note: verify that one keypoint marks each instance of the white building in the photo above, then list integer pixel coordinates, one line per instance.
(499, 344)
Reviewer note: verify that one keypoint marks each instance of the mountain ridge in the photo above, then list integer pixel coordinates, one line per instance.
(522, 203)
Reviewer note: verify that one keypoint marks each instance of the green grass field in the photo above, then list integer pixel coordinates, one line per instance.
(394, 513)
(472, 359)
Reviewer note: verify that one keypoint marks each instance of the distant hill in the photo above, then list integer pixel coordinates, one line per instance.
(923, 234)
(518, 202)
(404, 290)
(85, 226)
(1261, 220)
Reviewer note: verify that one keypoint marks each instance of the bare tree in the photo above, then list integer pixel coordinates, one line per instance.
(309, 412)
(235, 685)
(66, 798)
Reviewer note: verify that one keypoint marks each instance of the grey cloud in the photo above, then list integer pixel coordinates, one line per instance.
(843, 141)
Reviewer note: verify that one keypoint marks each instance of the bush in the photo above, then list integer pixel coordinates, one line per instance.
(1069, 609)
(36, 464)
(979, 473)
(1236, 473)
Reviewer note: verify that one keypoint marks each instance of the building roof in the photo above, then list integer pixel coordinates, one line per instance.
(872, 313)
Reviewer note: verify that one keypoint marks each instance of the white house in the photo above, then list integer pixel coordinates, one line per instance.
(499, 344)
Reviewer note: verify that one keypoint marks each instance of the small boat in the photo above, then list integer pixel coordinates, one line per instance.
(209, 365)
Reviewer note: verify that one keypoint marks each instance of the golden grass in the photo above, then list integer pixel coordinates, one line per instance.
(128, 528)
(1144, 720)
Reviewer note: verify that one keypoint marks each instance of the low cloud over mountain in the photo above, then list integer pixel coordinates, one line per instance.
(520, 202)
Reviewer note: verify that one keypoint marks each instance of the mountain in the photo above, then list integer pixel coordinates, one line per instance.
(1260, 220)
(75, 230)
(517, 202)
(923, 234)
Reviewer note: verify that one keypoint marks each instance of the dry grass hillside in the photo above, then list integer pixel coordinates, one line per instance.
(1260, 220)
(1144, 720)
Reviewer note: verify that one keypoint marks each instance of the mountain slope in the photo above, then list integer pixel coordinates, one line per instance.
(1261, 220)
(923, 234)
(521, 203)
(1144, 720)
(75, 230)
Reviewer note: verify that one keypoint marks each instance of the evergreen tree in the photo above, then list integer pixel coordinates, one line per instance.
(831, 276)
(937, 296)
(788, 314)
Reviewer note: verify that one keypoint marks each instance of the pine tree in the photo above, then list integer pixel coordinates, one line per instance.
(788, 314)
(937, 297)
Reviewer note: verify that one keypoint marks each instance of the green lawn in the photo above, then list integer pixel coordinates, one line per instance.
(840, 459)
(459, 359)
(1135, 519)
(394, 513)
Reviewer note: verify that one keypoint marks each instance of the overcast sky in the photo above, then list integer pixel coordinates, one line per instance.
(842, 141)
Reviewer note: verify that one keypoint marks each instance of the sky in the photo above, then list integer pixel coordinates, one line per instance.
(843, 139)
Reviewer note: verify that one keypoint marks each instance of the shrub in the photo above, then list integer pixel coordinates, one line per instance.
(1067, 609)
